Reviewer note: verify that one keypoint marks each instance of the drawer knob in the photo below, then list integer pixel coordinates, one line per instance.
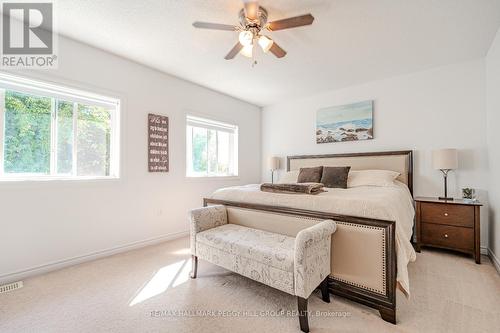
(445, 214)
(445, 235)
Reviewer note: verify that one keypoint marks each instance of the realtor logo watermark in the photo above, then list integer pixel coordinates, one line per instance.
(28, 38)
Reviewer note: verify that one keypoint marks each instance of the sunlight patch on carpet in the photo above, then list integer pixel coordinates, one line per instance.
(169, 276)
(184, 251)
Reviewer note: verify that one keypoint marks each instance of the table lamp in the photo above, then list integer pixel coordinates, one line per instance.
(274, 164)
(445, 160)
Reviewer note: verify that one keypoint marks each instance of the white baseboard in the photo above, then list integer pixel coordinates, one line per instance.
(55, 265)
(494, 260)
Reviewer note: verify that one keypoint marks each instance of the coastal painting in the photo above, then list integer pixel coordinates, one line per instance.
(350, 122)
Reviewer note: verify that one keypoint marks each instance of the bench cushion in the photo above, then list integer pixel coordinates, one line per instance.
(265, 247)
(268, 275)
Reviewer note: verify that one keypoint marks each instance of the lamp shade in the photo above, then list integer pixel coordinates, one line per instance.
(265, 43)
(274, 163)
(445, 159)
(245, 38)
(247, 50)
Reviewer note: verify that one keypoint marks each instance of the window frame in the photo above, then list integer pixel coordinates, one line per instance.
(66, 94)
(201, 121)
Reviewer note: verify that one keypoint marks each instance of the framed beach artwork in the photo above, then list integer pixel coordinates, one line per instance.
(350, 122)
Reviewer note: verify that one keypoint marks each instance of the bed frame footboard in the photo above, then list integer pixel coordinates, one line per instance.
(384, 300)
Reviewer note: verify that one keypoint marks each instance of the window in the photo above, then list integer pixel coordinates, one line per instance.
(212, 148)
(50, 132)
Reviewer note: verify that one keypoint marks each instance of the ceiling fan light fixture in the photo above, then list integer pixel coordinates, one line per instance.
(265, 43)
(246, 38)
(253, 20)
(247, 51)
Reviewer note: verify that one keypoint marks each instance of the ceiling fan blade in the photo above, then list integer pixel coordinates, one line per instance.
(214, 26)
(277, 50)
(291, 22)
(251, 9)
(234, 51)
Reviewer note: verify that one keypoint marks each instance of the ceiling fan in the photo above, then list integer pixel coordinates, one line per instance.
(253, 22)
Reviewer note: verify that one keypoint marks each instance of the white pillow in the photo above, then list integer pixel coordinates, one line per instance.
(289, 177)
(371, 178)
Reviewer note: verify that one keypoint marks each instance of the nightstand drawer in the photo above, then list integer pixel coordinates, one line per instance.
(458, 215)
(448, 236)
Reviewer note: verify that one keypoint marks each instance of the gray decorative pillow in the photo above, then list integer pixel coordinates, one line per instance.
(335, 177)
(310, 175)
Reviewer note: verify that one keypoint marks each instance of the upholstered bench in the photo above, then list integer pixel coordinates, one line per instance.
(294, 265)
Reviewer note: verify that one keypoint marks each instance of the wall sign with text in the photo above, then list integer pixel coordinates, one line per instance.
(157, 143)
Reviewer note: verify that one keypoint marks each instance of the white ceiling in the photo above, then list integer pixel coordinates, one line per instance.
(350, 41)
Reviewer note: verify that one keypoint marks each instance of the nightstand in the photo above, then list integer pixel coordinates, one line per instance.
(448, 224)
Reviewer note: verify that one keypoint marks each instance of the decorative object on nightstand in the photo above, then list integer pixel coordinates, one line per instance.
(445, 160)
(469, 194)
(452, 225)
(274, 164)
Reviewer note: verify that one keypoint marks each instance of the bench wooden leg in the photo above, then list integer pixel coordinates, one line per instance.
(325, 294)
(304, 322)
(194, 267)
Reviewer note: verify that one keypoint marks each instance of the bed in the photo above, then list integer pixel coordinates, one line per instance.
(372, 246)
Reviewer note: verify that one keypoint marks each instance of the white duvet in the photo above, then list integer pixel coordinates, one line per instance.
(392, 203)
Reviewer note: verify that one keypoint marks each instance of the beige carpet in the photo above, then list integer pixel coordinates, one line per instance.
(148, 290)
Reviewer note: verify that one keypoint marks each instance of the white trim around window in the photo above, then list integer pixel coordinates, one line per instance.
(69, 96)
(211, 149)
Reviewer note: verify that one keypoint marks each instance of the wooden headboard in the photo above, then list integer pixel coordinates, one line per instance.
(399, 161)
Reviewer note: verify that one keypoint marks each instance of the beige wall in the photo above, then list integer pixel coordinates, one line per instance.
(438, 108)
(493, 139)
(46, 223)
